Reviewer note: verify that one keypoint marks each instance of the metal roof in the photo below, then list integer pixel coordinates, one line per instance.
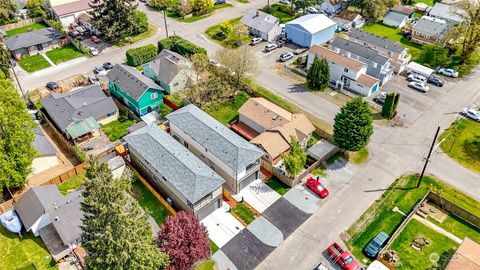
(131, 81)
(32, 38)
(313, 23)
(83, 127)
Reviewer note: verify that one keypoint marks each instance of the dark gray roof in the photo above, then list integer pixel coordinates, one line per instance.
(259, 20)
(185, 172)
(42, 144)
(378, 41)
(34, 202)
(360, 50)
(431, 26)
(78, 105)
(217, 139)
(395, 16)
(32, 38)
(131, 81)
(167, 65)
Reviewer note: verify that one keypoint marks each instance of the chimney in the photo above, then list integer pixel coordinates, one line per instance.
(257, 14)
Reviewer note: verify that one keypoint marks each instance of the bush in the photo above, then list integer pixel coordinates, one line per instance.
(141, 55)
(180, 45)
(79, 153)
(267, 9)
(286, 9)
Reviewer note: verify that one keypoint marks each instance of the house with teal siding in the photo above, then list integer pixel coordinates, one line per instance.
(139, 93)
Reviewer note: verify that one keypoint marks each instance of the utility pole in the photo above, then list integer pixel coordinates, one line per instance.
(165, 17)
(428, 157)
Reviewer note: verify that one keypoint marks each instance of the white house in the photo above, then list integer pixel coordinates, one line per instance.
(262, 24)
(348, 19)
(345, 72)
(332, 6)
(68, 11)
(398, 16)
(447, 13)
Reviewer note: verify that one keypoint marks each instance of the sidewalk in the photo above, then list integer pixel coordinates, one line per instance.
(437, 229)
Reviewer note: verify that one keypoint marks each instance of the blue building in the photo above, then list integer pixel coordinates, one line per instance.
(309, 30)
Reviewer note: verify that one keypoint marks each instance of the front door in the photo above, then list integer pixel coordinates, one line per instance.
(39, 47)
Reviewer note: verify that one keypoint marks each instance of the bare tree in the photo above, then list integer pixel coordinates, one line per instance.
(238, 62)
(469, 30)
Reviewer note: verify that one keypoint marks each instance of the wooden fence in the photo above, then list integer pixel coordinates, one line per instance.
(449, 207)
(170, 104)
(22, 23)
(66, 175)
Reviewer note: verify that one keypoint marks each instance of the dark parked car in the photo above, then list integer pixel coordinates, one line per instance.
(435, 80)
(52, 85)
(107, 65)
(375, 245)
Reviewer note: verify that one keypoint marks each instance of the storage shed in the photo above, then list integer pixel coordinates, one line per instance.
(311, 29)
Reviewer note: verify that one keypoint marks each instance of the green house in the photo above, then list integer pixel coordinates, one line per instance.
(139, 93)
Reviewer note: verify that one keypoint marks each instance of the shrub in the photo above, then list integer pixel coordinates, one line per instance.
(286, 9)
(141, 55)
(180, 45)
(267, 9)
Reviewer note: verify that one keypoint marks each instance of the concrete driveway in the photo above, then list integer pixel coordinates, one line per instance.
(258, 195)
(221, 225)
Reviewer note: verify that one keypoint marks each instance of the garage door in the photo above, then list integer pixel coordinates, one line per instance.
(66, 21)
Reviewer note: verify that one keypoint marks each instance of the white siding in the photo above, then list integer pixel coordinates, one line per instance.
(43, 221)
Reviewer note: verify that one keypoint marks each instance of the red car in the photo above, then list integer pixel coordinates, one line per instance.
(342, 257)
(317, 187)
(95, 39)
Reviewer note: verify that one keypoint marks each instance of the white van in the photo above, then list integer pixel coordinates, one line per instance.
(271, 47)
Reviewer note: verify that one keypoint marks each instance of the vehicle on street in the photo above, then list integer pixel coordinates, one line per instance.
(75, 34)
(416, 78)
(218, 2)
(317, 187)
(286, 2)
(419, 86)
(95, 39)
(320, 266)
(380, 98)
(107, 65)
(93, 51)
(375, 245)
(100, 71)
(52, 85)
(472, 114)
(312, 10)
(284, 57)
(448, 72)
(94, 79)
(435, 80)
(342, 257)
(271, 47)
(255, 41)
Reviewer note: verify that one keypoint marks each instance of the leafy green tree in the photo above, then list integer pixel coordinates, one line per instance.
(389, 109)
(469, 30)
(116, 233)
(140, 21)
(295, 159)
(200, 7)
(375, 9)
(158, 4)
(434, 55)
(318, 76)
(304, 4)
(36, 8)
(353, 125)
(16, 137)
(226, 27)
(8, 11)
(4, 59)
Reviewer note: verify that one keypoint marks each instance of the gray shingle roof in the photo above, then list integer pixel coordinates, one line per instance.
(78, 105)
(42, 144)
(34, 202)
(431, 26)
(167, 65)
(447, 12)
(185, 172)
(395, 16)
(360, 50)
(378, 41)
(131, 81)
(32, 38)
(217, 139)
(259, 20)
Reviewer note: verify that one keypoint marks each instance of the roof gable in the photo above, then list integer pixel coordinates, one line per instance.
(265, 113)
(360, 50)
(447, 12)
(330, 55)
(34, 202)
(313, 23)
(168, 64)
(375, 40)
(260, 20)
(431, 26)
(131, 81)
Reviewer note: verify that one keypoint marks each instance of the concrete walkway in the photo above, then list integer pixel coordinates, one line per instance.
(223, 262)
(48, 59)
(302, 199)
(258, 195)
(266, 232)
(437, 229)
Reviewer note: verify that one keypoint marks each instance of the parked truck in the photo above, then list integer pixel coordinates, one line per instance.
(342, 257)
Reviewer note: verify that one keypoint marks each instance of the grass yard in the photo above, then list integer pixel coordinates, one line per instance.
(227, 112)
(277, 185)
(64, 54)
(206, 265)
(458, 227)
(402, 194)
(462, 143)
(313, 139)
(118, 128)
(148, 201)
(195, 18)
(283, 16)
(213, 247)
(228, 41)
(413, 259)
(428, 2)
(33, 63)
(359, 157)
(26, 253)
(26, 28)
(151, 30)
(244, 213)
(73, 183)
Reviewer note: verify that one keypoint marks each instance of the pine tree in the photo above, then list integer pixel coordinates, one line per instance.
(185, 240)
(389, 109)
(353, 125)
(116, 233)
(318, 75)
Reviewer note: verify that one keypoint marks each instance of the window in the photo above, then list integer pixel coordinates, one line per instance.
(185, 144)
(110, 114)
(345, 69)
(154, 96)
(175, 84)
(359, 85)
(125, 100)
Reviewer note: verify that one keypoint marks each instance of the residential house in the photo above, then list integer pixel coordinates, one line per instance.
(47, 153)
(467, 256)
(345, 72)
(138, 92)
(348, 19)
(187, 181)
(33, 42)
(53, 217)
(86, 20)
(275, 127)
(378, 65)
(447, 13)
(398, 54)
(398, 16)
(232, 157)
(170, 70)
(332, 6)
(69, 11)
(429, 30)
(311, 29)
(261, 24)
(79, 113)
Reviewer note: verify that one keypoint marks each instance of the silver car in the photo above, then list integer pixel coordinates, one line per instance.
(416, 78)
(422, 87)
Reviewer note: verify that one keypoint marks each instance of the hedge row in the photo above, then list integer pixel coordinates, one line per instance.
(141, 55)
(180, 45)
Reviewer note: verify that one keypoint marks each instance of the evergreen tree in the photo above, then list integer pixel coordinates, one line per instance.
(295, 159)
(318, 75)
(353, 125)
(389, 109)
(116, 233)
(16, 137)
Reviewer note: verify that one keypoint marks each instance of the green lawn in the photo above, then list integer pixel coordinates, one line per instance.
(462, 143)
(206, 265)
(213, 247)
(229, 41)
(73, 183)
(458, 227)
(359, 157)
(149, 202)
(25, 29)
(118, 128)
(243, 1)
(64, 54)
(244, 213)
(152, 29)
(428, 2)
(33, 63)
(227, 112)
(27, 252)
(413, 259)
(277, 185)
(284, 17)
(195, 18)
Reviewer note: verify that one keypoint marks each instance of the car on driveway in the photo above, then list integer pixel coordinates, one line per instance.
(312, 10)
(416, 78)
(286, 2)
(95, 39)
(317, 187)
(93, 51)
(284, 57)
(52, 85)
(380, 98)
(419, 86)
(255, 41)
(472, 114)
(271, 47)
(107, 65)
(100, 71)
(435, 80)
(342, 257)
(448, 72)
(375, 245)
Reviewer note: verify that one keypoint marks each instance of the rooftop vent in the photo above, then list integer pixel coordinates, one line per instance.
(57, 218)
(275, 117)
